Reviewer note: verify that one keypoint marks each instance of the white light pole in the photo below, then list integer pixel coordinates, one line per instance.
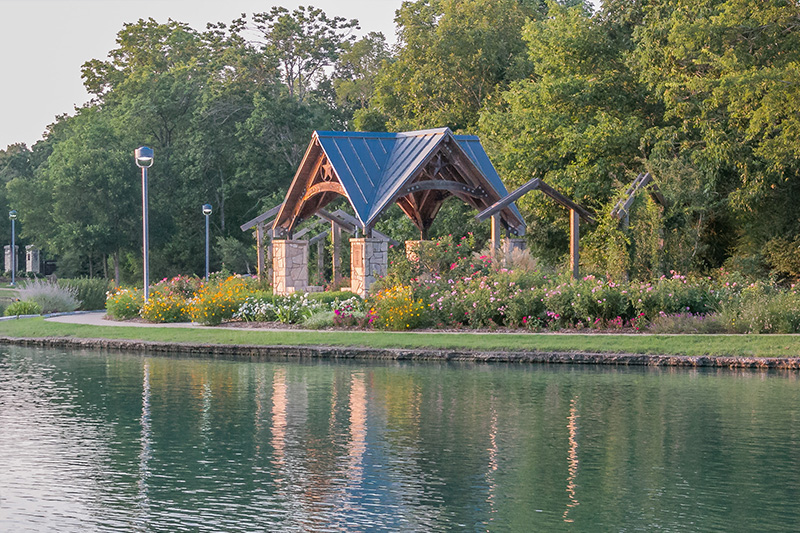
(13, 216)
(144, 160)
(207, 213)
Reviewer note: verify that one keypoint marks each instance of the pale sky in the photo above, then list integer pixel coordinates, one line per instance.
(43, 44)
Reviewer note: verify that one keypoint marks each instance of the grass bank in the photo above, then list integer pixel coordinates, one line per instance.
(690, 345)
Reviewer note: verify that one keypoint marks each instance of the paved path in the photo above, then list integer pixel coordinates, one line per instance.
(96, 318)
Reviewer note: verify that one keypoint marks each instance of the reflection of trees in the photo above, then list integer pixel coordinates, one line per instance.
(333, 446)
(572, 458)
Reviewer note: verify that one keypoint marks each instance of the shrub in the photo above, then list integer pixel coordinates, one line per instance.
(763, 310)
(184, 286)
(397, 309)
(91, 292)
(123, 303)
(166, 308)
(49, 296)
(23, 308)
(219, 300)
(256, 309)
(319, 320)
(332, 296)
(353, 319)
(688, 323)
(293, 308)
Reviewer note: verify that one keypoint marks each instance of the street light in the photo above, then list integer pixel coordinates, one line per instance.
(13, 216)
(207, 213)
(144, 160)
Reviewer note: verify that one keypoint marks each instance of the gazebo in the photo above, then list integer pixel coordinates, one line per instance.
(417, 170)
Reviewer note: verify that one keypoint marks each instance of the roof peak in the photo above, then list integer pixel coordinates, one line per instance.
(383, 134)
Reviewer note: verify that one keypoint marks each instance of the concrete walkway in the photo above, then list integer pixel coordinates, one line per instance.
(96, 318)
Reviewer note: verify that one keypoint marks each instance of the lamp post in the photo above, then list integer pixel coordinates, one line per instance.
(13, 216)
(207, 213)
(144, 160)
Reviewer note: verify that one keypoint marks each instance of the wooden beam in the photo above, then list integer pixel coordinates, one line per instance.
(347, 217)
(584, 213)
(263, 217)
(320, 258)
(445, 185)
(325, 186)
(508, 200)
(330, 217)
(336, 237)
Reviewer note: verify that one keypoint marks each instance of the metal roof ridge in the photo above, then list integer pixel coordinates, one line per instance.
(360, 134)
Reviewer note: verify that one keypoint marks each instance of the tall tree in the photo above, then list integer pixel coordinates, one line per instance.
(303, 41)
(454, 54)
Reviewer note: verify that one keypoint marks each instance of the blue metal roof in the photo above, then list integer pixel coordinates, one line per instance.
(372, 167)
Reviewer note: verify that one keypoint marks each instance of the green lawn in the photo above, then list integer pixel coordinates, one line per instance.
(730, 345)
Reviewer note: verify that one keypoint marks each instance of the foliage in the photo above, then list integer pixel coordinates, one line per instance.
(23, 308)
(219, 300)
(182, 286)
(762, 309)
(688, 323)
(165, 307)
(90, 292)
(397, 309)
(49, 296)
(124, 303)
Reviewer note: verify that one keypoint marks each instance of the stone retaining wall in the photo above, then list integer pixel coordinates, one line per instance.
(259, 353)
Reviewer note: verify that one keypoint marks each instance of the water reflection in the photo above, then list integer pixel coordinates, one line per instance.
(572, 457)
(145, 452)
(117, 443)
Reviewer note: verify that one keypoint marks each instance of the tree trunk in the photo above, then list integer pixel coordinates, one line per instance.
(116, 268)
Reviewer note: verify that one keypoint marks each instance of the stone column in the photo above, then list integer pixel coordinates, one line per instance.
(413, 250)
(32, 263)
(369, 259)
(510, 245)
(8, 257)
(290, 266)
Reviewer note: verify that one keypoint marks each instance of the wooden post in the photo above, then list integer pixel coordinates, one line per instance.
(336, 237)
(320, 262)
(270, 257)
(260, 251)
(496, 235)
(574, 236)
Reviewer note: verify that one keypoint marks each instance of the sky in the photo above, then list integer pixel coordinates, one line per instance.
(43, 44)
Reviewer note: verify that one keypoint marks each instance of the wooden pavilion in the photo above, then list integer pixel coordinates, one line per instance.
(417, 170)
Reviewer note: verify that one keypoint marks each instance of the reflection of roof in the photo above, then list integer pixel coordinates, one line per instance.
(375, 169)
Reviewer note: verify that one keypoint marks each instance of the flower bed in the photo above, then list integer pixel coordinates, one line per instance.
(447, 286)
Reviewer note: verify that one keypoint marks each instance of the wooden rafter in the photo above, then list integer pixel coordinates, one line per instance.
(323, 187)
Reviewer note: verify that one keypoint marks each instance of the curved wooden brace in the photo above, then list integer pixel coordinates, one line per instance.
(325, 186)
(445, 185)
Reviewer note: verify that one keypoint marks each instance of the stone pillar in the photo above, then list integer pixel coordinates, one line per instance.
(7, 248)
(290, 266)
(32, 262)
(412, 250)
(369, 259)
(509, 245)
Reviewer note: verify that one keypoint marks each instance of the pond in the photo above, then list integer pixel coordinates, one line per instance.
(95, 441)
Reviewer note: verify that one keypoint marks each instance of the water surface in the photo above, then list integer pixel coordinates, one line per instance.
(92, 441)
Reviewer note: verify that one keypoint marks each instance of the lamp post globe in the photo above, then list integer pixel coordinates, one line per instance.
(12, 215)
(144, 160)
(207, 213)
